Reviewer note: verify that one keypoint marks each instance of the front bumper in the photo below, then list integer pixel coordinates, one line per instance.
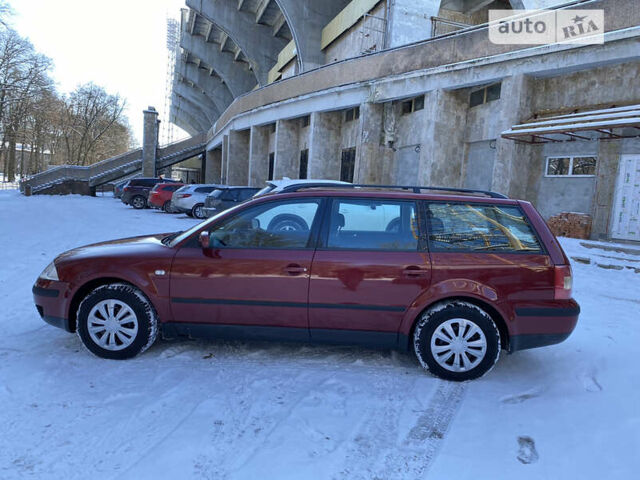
(51, 299)
(541, 325)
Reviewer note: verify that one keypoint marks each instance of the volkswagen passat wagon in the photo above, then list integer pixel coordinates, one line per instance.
(454, 277)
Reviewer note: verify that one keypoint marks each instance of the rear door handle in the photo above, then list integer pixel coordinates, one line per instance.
(414, 271)
(294, 269)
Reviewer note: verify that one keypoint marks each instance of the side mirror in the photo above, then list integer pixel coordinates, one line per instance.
(204, 239)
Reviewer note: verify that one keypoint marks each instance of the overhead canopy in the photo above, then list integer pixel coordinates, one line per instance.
(606, 124)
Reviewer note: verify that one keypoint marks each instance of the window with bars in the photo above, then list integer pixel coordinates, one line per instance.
(348, 164)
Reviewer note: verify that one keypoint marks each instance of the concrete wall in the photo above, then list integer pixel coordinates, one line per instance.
(366, 36)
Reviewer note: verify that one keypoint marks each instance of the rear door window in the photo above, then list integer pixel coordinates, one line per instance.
(205, 189)
(454, 227)
(372, 224)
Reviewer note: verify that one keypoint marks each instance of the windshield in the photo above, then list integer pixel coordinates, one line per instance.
(187, 233)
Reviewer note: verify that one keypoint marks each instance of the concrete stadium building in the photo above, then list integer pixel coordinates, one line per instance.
(414, 92)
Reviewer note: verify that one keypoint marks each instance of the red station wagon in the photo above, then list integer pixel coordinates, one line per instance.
(452, 275)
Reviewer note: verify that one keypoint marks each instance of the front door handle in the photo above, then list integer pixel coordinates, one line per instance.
(294, 269)
(413, 271)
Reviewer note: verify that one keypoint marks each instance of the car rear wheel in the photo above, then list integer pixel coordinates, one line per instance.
(117, 321)
(456, 340)
(138, 202)
(167, 207)
(196, 211)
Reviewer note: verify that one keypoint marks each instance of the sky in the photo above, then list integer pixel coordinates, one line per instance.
(117, 44)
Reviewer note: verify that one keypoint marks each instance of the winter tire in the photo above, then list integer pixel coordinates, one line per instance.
(456, 340)
(138, 202)
(196, 211)
(287, 223)
(117, 321)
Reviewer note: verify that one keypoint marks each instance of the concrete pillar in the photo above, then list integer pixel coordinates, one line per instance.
(373, 157)
(149, 142)
(442, 146)
(324, 145)
(213, 166)
(225, 160)
(287, 159)
(238, 164)
(513, 159)
(259, 156)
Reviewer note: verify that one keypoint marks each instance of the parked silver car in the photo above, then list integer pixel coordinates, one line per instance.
(190, 199)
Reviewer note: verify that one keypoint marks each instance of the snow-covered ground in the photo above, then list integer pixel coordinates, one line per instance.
(256, 410)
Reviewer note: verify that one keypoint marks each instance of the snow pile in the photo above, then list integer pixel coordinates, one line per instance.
(256, 410)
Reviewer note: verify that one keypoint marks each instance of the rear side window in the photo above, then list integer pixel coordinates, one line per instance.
(230, 195)
(372, 224)
(479, 228)
(171, 188)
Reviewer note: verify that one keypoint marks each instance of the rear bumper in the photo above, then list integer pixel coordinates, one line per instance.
(209, 211)
(539, 326)
(50, 298)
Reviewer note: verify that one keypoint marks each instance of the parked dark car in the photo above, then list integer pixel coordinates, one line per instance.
(226, 197)
(136, 192)
(452, 276)
(118, 188)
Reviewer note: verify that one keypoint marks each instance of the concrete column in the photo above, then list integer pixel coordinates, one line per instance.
(149, 142)
(238, 164)
(225, 160)
(373, 157)
(442, 146)
(213, 166)
(513, 159)
(287, 159)
(259, 156)
(324, 145)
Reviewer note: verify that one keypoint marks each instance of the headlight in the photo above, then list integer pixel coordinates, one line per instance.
(50, 273)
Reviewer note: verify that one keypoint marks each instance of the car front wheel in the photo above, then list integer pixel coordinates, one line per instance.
(456, 340)
(117, 321)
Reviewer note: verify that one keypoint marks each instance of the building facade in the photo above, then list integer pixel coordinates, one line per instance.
(413, 92)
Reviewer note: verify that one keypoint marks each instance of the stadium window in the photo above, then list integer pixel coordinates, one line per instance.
(304, 163)
(571, 166)
(485, 95)
(412, 105)
(272, 158)
(352, 114)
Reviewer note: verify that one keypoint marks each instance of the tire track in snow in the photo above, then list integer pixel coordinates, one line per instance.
(376, 456)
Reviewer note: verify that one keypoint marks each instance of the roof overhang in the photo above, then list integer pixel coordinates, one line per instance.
(604, 124)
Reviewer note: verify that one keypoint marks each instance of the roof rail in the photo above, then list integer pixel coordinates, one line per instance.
(413, 188)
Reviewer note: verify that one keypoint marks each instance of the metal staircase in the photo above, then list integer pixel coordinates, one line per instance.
(114, 168)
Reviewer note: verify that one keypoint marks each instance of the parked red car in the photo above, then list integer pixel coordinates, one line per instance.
(160, 196)
(453, 277)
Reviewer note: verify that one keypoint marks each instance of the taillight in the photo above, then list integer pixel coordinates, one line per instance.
(563, 282)
(126, 189)
(184, 195)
